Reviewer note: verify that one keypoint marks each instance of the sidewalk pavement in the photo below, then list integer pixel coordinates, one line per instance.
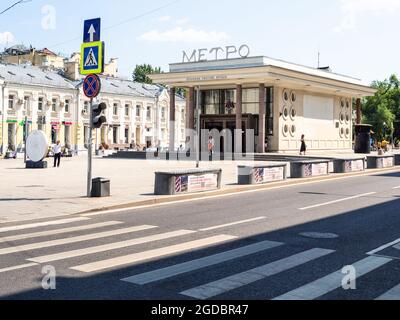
(54, 192)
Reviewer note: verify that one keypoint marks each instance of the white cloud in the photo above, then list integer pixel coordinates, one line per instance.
(164, 18)
(6, 37)
(182, 21)
(353, 8)
(179, 34)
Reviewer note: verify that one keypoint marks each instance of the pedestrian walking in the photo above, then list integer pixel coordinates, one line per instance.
(303, 149)
(57, 154)
(211, 147)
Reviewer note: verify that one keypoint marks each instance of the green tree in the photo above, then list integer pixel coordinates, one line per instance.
(142, 72)
(383, 108)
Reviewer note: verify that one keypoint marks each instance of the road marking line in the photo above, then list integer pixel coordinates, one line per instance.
(23, 266)
(60, 231)
(109, 247)
(393, 294)
(178, 269)
(233, 224)
(59, 242)
(148, 255)
(43, 224)
(332, 281)
(391, 244)
(337, 201)
(92, 214)
(239, 280)
(395, 188)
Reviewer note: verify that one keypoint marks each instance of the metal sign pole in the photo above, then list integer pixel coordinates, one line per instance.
(89, 173)
(198, 128)
(25, 136)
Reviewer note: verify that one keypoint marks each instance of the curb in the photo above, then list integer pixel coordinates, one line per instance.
(232, 191)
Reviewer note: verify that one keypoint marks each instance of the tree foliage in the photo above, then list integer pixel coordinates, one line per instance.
(382, 110)
(142, 72)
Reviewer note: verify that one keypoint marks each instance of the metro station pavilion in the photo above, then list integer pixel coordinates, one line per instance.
(279, 100)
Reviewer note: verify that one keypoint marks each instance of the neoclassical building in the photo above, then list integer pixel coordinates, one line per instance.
(136, 113)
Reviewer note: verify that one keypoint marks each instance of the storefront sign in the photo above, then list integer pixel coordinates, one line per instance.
(196, 183)
(66, 123)
(262, 175)
(217, 53)
(207, 78)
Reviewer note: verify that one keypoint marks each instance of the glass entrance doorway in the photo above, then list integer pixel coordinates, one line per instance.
(228, 123)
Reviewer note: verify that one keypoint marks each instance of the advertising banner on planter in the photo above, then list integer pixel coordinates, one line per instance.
(320, 169)
(262, 175)
(196, 183)
(357, 165)
(387, 162)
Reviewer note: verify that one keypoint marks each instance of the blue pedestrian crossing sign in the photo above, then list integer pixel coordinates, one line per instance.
(92, 58)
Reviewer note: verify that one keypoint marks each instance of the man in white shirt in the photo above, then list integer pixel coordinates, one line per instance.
(57, 154)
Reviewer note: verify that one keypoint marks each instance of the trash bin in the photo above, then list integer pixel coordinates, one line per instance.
(363, 139)
(100, 187)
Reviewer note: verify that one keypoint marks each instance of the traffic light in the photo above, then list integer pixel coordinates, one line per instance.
(97, 118)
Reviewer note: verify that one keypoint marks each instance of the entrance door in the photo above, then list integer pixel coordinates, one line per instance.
(138, 136)
(67, 136)
(115, 135)
(11, 136)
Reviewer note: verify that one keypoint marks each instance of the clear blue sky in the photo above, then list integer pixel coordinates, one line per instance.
(355, 37)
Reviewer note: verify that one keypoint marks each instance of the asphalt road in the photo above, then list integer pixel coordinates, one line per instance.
(249, 246)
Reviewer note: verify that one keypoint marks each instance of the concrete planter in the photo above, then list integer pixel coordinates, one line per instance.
(187, 181)
(349, 165)
(380, 162)
(260, 174)
(309, 168)
(397, 159)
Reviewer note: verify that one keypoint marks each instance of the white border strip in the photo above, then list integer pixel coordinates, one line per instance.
(233, 224)
(391, 244)
(338, 201)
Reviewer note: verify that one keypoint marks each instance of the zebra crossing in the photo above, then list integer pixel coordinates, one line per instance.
(149, 243)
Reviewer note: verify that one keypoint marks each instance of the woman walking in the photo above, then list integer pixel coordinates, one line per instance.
(303, 149)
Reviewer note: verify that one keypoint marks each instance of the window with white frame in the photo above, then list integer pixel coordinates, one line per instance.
(54, 104)
(11, 101)
(138, 111)
(148, 113)
(40, 103)
(86, 106)
(127, 110)
(26, 103)
(163, 114)
(66, 105)
(115, 109)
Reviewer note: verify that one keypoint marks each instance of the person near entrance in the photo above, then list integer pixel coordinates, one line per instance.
(303, 149)
(211, 147)
(57, 154)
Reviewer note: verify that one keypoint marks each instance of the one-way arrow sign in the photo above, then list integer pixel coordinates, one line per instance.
(91, 30)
